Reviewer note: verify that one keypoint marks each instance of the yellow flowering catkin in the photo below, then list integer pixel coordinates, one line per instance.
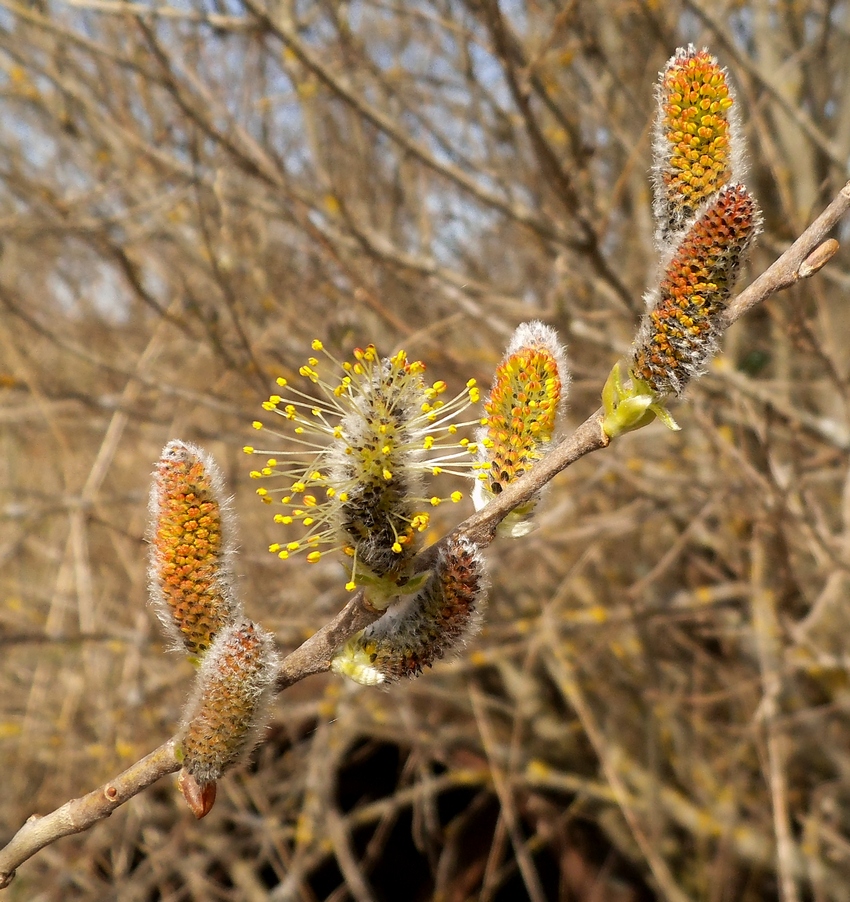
(191, 580)
(697, 145)
(355, 453)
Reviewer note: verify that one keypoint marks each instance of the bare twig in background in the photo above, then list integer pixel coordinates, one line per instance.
(609, 756)
(315, 655)
(238, 181)
(767, 629)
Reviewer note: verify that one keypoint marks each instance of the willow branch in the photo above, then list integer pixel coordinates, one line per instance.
(80, 814)
(794, 264)
(804, 257)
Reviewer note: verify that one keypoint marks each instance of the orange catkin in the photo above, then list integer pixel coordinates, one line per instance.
(522, 417)
(697, 147)
(190, 570)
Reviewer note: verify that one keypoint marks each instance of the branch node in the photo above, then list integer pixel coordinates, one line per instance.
(606, 439)
(818, 258)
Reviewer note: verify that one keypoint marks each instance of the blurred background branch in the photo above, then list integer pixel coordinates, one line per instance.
(188, 195)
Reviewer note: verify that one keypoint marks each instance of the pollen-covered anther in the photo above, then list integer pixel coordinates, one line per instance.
(421, 628)
(191, 579)
(697, 146)
(680, 331)
(229, 705)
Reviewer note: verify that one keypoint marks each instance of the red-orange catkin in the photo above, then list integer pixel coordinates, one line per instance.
(697, 147)
(680, 332)
(191, 580)
(228, 710)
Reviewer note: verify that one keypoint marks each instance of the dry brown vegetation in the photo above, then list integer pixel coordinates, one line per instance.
(657, 706)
